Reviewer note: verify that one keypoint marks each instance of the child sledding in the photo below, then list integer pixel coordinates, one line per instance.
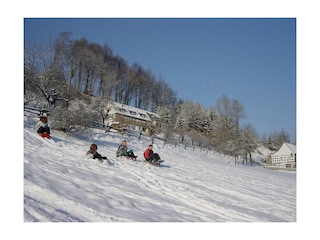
(123, 151)
(92, 153)
(42, 126)
(151, 157)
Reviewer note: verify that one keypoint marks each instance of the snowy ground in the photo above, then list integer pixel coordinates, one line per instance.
(62, 185)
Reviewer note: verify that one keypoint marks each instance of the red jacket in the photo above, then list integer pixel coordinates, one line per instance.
(147, 154)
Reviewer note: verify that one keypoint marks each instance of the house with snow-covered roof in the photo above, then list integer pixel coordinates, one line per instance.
(121, 115)
(285, 157)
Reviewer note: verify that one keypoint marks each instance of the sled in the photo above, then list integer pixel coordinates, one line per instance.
(45, 135)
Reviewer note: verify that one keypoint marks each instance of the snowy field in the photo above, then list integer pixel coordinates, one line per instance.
(192, 186)
(62, 185)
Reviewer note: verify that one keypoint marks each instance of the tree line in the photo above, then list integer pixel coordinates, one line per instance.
(92, 69)
(67, 70)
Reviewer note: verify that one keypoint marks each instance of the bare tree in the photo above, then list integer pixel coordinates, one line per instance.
(250, 138)
(278, 138)
(31, 69)
(228, 133)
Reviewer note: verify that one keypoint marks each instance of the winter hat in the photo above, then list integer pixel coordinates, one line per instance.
(43, 115)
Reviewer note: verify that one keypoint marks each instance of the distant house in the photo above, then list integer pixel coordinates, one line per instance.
(285, 157)
(120, 115)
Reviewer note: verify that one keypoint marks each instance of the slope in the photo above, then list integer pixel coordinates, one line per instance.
(62, 185)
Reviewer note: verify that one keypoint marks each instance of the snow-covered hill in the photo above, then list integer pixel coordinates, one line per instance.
(62, 185)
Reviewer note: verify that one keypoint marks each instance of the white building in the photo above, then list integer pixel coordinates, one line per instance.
(120, 115)
(285, 157)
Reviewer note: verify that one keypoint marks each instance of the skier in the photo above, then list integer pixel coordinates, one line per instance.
(43, 127)
(152, 157)
(92, 153)
(123, 151)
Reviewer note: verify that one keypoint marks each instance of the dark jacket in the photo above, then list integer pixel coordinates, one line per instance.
(95, 155)
(42, 127)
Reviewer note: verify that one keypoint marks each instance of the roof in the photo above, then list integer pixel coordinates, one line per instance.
(133, 112)
(286, 149)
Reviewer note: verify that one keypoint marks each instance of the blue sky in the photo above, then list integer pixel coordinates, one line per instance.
(251, 60)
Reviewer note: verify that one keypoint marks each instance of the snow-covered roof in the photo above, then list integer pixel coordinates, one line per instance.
(286, 149)
(130, 111)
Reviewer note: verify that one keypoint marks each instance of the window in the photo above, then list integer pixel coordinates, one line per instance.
(143, 115)
(121, 110)
(133, 113)
(276, 159)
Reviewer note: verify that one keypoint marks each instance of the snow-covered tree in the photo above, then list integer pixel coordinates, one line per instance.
(227, 134)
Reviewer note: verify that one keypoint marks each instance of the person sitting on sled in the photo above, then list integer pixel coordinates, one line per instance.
(150, 156)
(123, 151)
(92, 153)
(43, 127)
